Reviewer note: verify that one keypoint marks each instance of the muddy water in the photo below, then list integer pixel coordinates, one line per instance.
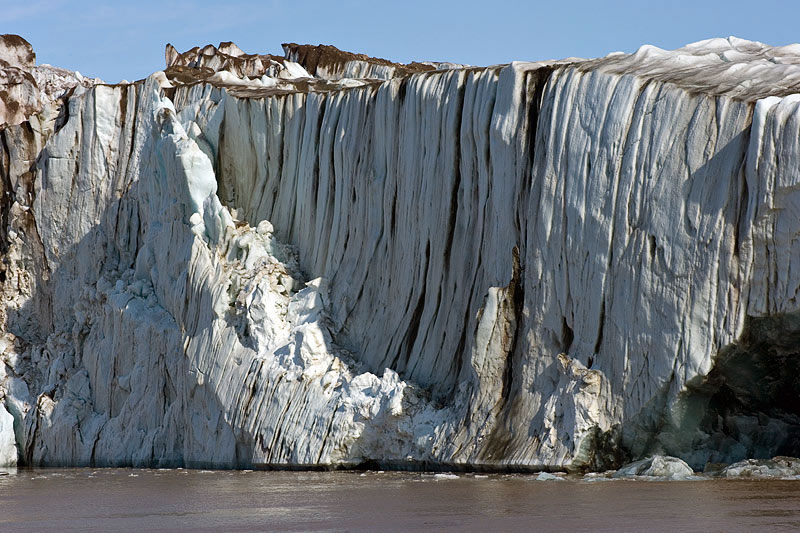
(150, 500)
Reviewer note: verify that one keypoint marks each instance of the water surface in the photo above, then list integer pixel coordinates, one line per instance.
(152, 500)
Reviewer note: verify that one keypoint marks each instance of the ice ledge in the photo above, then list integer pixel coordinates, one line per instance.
(738, 68)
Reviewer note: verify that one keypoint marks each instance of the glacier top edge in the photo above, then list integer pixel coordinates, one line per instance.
(733, 67)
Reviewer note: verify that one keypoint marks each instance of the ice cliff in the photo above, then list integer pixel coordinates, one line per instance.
(323, 258)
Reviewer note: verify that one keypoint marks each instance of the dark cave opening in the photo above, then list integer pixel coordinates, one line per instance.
(748, 405)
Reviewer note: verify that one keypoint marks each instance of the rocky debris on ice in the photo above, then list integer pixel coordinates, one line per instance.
(16, 52)
(330, 63)
(230, 58)
(55, 82)
(248, 75)
(777, 467)
(302, 68)
(657, 466)
(19, 94)
(24, 87)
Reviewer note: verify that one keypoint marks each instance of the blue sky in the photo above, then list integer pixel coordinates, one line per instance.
(115, 39)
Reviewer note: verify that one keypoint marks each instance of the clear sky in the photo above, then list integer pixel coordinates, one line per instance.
(116, 39)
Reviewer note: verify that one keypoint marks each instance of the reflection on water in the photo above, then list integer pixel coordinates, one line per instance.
(125, 499)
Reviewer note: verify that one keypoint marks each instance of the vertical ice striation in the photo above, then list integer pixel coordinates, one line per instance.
(327, 259)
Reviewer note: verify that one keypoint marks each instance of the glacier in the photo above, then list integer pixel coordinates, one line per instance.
(322, 259)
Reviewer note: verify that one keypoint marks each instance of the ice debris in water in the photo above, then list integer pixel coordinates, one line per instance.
(546, 476)
(658, 466)
(777, 467)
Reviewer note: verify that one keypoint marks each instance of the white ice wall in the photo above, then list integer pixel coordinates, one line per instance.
(513, 261)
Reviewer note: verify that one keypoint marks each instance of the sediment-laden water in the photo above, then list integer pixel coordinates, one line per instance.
(151, 500)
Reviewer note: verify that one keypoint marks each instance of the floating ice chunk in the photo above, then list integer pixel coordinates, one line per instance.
(546, 476)
(660, 466)
(777, 467)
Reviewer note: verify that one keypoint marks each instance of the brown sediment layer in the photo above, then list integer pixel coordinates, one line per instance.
(241, 64)
(24, 50)
(326, 56)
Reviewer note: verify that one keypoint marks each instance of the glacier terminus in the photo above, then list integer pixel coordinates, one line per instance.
(323, 259)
